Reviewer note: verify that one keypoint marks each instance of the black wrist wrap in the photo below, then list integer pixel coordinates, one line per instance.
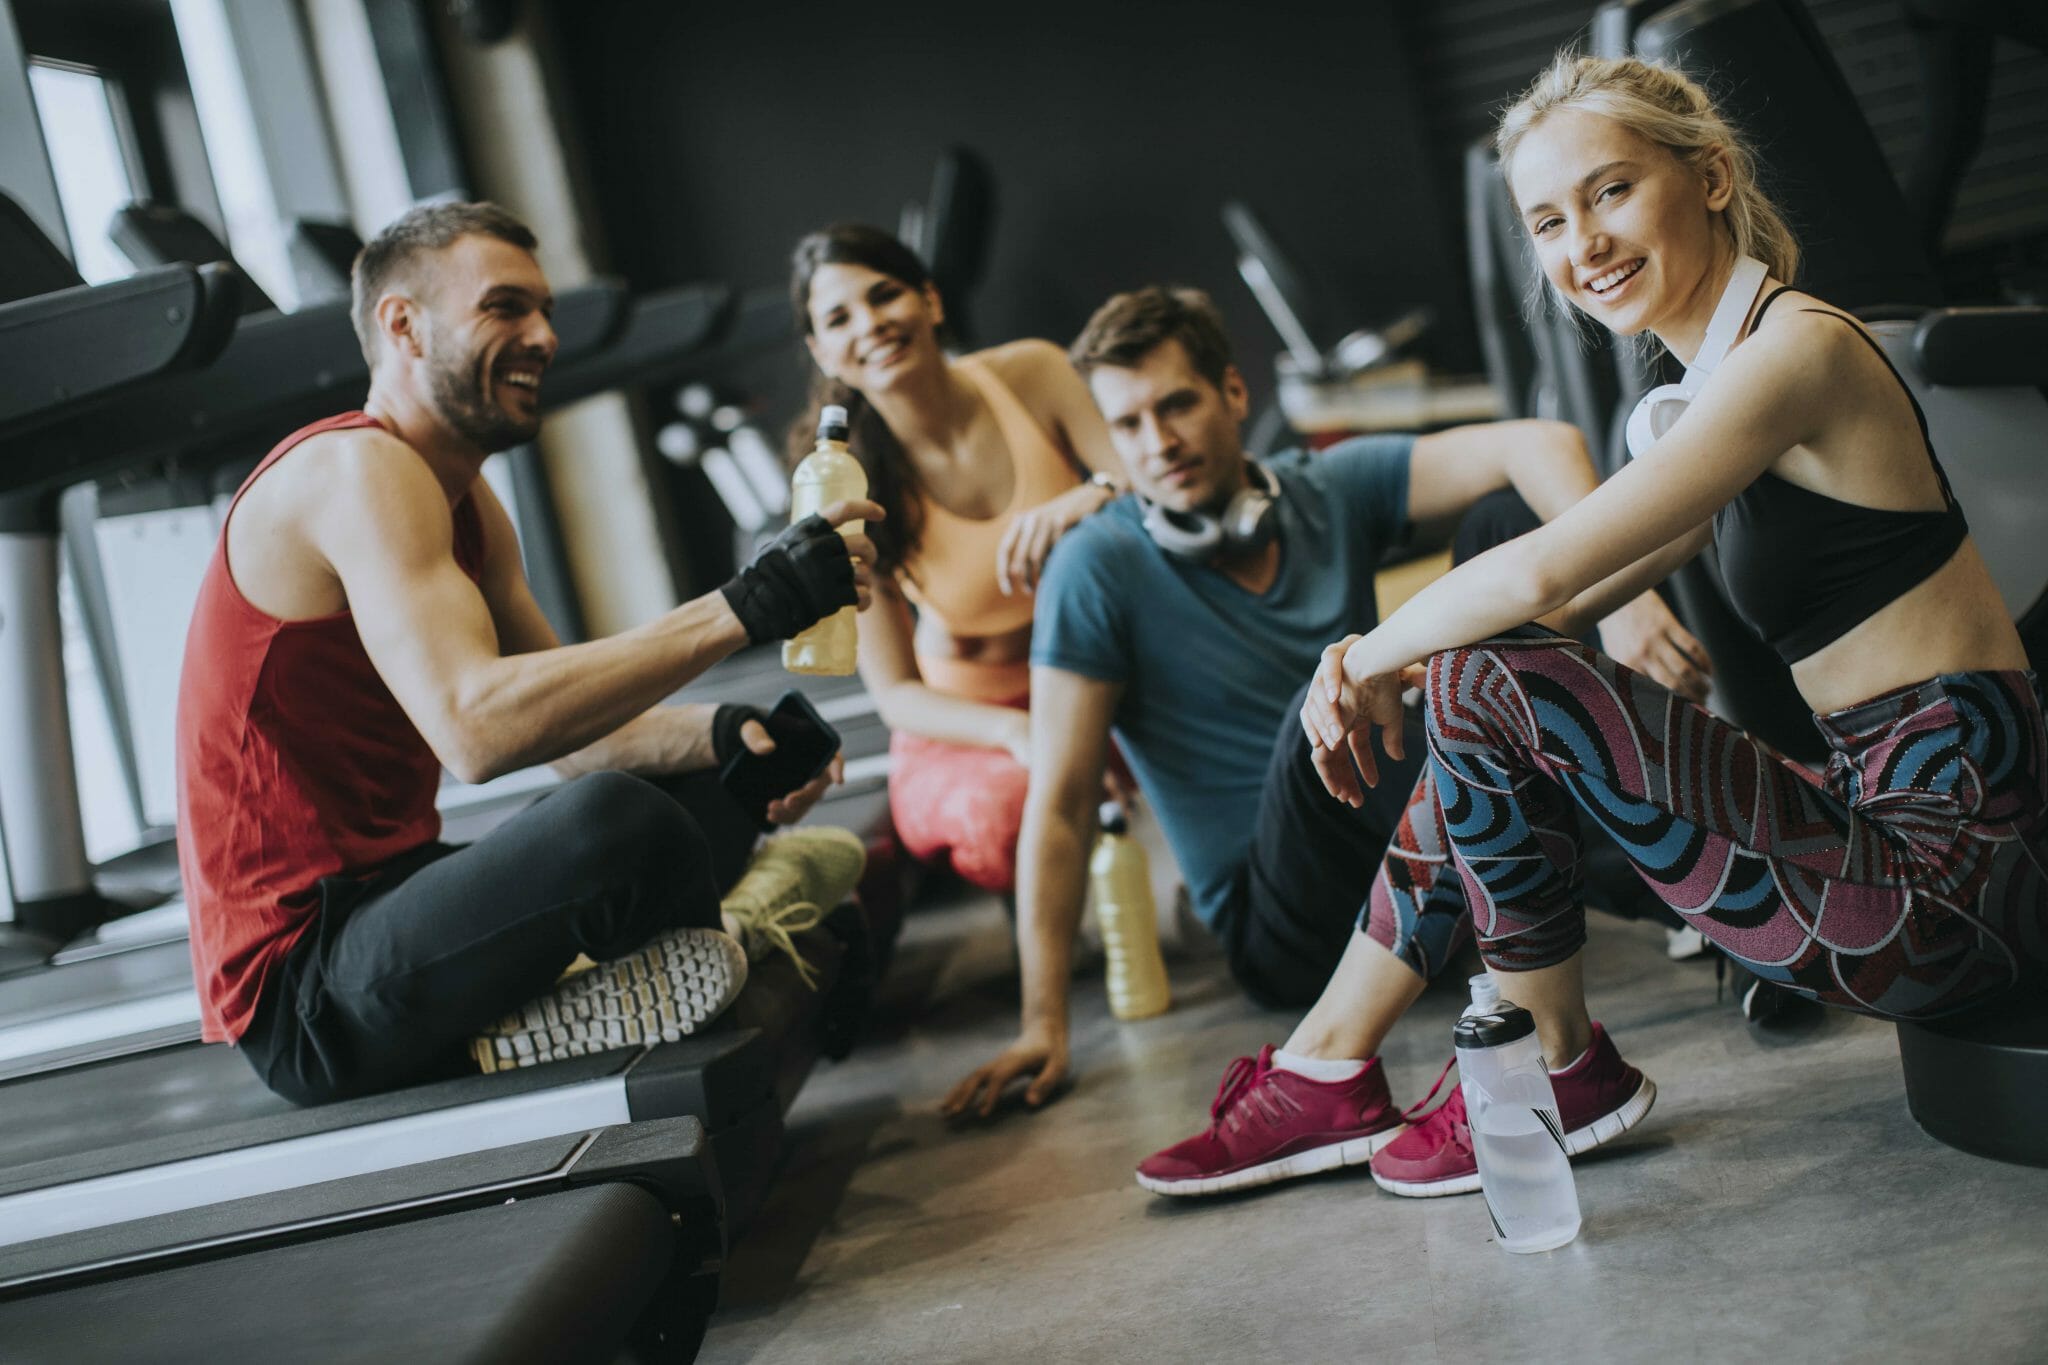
(725, 729)
(798, 579)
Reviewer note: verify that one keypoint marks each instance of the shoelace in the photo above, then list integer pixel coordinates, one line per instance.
(1236, 1093)
(1408, 1114)
(779, 926)
(1237, 1077)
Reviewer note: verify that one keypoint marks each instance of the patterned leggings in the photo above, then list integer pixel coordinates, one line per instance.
(1911, 882)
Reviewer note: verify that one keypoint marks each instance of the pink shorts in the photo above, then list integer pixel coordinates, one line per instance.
(959, 805)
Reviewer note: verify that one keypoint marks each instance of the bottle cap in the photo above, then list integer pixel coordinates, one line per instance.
(1494, 1029)
(1485, 990)
(832, 425)
(1112, 818)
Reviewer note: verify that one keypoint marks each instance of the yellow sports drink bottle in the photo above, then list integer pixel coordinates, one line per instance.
(1130, 935)
(827, 475)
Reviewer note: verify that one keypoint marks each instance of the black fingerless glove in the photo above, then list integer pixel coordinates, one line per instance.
(725, 730)
(797, 580)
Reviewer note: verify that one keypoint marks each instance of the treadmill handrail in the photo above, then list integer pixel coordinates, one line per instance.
(277, 372)
(662, 331)
(63, 350)
(1983, 347)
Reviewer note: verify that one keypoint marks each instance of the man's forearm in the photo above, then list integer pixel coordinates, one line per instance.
(666, 739)
(541, 707)
(1052, 880)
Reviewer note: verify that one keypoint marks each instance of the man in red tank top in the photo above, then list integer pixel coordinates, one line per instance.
(364, 623)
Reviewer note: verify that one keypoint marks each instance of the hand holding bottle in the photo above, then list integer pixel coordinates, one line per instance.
(805, 574)
(829, 478)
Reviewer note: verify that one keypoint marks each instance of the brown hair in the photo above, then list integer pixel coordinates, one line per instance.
(1132, 325)
(892, 481)
(384, 261)
(1672, 110)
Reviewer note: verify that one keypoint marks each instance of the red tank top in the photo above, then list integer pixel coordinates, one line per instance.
(295, 763)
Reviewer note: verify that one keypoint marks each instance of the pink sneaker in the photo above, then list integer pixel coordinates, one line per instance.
(1269, 1124)
(1598, 1097)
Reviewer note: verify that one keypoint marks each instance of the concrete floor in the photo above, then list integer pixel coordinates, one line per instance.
(1779, 1204)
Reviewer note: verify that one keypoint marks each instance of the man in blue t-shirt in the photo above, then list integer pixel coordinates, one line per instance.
(1188, 619)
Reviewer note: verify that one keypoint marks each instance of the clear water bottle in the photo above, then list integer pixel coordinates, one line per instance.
(1516, 1134)
(1136, 974)
(827, 475)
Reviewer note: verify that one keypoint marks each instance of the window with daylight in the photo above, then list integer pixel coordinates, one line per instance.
(78, 112)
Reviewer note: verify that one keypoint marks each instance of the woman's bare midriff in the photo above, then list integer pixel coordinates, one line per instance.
(934, 641)
(1952, 622)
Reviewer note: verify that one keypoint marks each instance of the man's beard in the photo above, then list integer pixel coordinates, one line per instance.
(458, 392)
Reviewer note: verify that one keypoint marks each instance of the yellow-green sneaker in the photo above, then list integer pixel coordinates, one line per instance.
(795, 879)
(678, 982)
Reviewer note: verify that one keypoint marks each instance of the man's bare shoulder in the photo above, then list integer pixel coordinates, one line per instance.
(361, 471)
(367, 457)
(341, 494)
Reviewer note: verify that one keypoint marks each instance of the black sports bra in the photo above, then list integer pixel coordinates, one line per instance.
(1804, 569)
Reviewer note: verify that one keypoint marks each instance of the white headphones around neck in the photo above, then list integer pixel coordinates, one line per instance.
(1248, 521)
(1660, 408)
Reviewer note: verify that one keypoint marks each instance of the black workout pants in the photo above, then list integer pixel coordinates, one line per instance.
(1296, 904)
(402, 967)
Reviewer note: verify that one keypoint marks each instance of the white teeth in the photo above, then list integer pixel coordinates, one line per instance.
(1614, 277)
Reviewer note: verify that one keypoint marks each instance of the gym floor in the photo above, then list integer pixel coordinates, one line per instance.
(1778, 1203)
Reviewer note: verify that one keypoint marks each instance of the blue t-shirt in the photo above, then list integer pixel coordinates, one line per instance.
(1209, 668)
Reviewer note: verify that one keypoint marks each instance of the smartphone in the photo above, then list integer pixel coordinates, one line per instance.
(804, 746)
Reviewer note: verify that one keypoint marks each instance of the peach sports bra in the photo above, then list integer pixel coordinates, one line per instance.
(953, 573)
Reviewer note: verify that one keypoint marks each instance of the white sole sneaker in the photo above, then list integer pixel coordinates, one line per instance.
(1603, 1129)
(1610, 1126)
(1428, 1189)
(1351, 1152)
(678, 982)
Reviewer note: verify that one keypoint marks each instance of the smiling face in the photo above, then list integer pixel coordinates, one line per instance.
(1624, 231)
(481, 320)
(868, 329)
(1176, 431)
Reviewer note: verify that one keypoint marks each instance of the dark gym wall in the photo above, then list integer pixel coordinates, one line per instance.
(719, 134)
(2004, 196)
(1472, 56)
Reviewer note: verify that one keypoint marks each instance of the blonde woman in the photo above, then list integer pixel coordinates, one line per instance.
(1911, 882)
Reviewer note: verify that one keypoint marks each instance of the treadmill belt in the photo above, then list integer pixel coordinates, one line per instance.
(668, 1157)
(203, 1099)
(244, 1217)
(558, 1278)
